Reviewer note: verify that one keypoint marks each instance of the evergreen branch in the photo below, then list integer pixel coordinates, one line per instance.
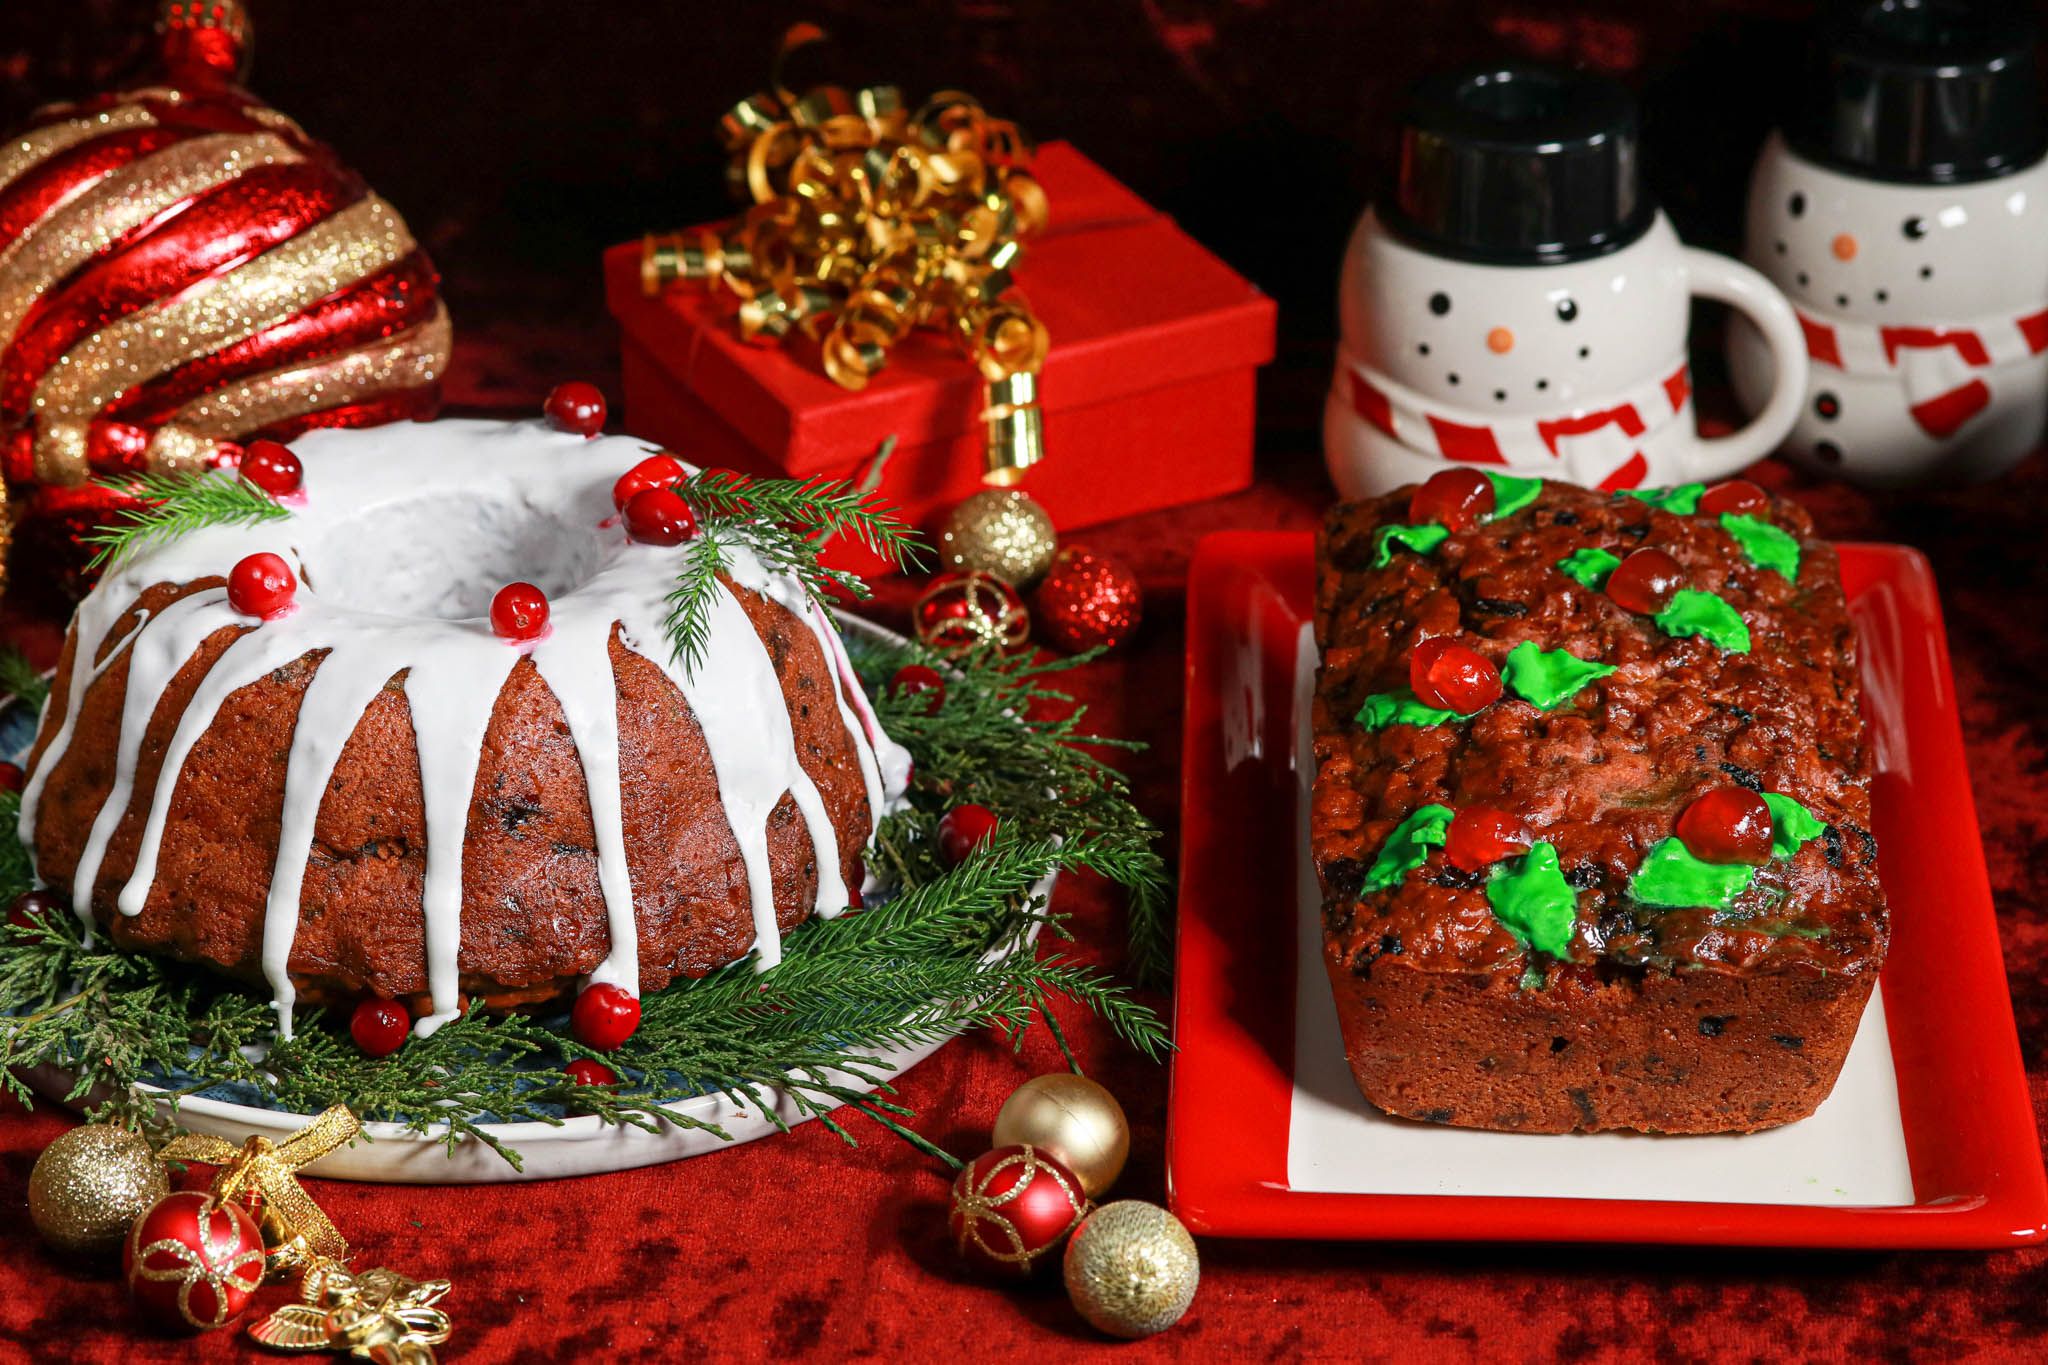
(21, 679)
(690, 601)
(949, 951)
(175, 504)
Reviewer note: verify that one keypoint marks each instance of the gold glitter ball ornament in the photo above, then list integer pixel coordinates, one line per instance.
(1072, 1119)
(90, 1184)
(1131, 1269)
(1002, 531)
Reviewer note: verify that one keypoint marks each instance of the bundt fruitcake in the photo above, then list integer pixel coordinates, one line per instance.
(1591, 811)
(368, 790)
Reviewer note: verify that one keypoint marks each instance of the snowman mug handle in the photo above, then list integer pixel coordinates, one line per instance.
(1735, 284)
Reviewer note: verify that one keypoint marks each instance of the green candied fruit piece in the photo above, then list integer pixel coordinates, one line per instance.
(1766, 545)
(1684, 499)
(1531, 897)
(1791, 825)
(1671, 877)
(1589, 567)
(1382, 709)
(1421, 539)
(1548, 678)
(1693, 612)
(1407, 846)
(1510, 494)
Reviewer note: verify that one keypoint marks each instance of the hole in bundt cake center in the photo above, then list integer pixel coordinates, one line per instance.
(445, 556)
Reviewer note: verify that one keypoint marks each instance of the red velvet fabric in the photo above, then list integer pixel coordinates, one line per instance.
(800, 1247)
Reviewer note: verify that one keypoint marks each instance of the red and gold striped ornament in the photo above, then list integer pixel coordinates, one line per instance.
(182, 269)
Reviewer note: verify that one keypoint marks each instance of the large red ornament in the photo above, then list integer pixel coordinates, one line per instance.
(1088, 601)
(182, 269)
(1011, 1207)
(959, 611)
(193, 1262)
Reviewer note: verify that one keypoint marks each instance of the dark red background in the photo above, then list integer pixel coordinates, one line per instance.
(522, 137)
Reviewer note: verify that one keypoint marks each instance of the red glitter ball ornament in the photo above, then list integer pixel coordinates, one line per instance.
(961, 610)
(193, 1262)
(519, 611)
(604, 1016)
(261, 585)
(575, 407)
(272, 467)
(1727, 825)
(380, 1027)
(1088, 601)
(225, 261)
(1010, 1208)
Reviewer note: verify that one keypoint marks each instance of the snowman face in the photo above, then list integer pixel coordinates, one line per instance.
(1878, 252)
(1514, 340)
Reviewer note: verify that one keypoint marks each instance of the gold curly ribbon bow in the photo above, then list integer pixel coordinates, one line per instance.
(868, 222)
(294, 1228)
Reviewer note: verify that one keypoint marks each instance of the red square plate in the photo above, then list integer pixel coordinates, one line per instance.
(1962, 1107)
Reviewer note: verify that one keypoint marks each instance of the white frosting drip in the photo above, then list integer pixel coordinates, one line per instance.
(433, 518)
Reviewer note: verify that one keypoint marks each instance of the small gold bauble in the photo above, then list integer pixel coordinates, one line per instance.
(90, 1184)
(1131, 1269)
(1000, 531)
(1072, 1119)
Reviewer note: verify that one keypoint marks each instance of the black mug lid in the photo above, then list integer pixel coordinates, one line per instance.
(1921, 91)
(1519, 164)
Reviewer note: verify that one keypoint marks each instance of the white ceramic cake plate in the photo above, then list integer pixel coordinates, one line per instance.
(580, 1145)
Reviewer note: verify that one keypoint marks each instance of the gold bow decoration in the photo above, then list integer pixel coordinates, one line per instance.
(294, 1228)
(378, 1315)
(868, 222)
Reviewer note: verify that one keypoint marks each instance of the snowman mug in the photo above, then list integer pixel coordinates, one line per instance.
(1520, 306)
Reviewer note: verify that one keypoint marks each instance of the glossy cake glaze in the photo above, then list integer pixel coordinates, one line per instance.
(375, 793)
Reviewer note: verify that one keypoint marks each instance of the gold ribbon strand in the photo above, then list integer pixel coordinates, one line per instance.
(867, 222)
(294, 1228)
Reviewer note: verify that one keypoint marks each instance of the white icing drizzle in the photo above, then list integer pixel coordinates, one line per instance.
(401, 537)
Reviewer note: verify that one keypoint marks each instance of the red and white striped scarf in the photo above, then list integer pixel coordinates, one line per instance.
(1597, 444)
(1944, 367)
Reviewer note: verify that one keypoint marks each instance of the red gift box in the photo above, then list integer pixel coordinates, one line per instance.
(1147, 389)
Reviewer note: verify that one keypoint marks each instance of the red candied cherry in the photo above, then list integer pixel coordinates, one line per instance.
(964, 829)
(659, 516)
(519, 612)
(1727, 825)
(912, 679)
(272, 467)
(604, 1017)
(40, 903)
(1453, 498)
(1738, 496)
(12, 778)
(590, 1071)
(656, 471)
(1646, 581)
(261, 585)
(1481, 836)
(1452, 676)
(575, 407)
(379, 1026)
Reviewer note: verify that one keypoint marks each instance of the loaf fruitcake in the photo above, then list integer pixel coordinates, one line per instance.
(1591, 815)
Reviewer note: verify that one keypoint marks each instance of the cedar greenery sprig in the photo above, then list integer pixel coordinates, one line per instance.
(21, 679)
(781, 521)
(175, 504)
(951, 950)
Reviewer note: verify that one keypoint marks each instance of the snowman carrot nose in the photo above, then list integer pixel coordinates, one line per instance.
(1500, 341)
(1845, 247)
